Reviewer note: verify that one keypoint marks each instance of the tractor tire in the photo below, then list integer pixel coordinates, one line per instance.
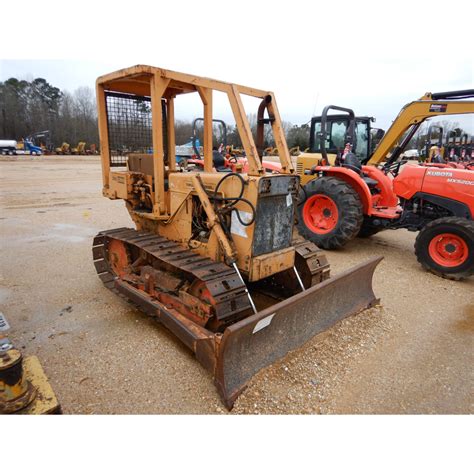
(445, 247)
(330, 212)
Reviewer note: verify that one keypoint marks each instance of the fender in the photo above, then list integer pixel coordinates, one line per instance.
(385, 184)
(352, 178)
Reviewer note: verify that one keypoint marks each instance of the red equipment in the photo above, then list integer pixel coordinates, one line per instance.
(350, 199)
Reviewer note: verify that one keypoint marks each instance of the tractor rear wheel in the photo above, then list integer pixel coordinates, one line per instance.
(445, 247)
(330, 213)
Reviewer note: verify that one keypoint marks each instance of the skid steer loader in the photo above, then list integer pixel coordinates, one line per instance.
(212, 256)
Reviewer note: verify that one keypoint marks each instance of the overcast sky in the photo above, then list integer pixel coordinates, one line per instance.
(371, 56)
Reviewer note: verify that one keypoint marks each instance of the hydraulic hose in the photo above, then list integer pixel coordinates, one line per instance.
(230, 202)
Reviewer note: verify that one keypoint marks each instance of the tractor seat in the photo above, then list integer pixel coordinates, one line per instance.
(369, 181)
(217, 160)
(353, 163)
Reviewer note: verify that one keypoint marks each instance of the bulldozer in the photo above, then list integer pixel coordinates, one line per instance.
(64, 149)
(350, 193)
(80, 149)
(213, 255)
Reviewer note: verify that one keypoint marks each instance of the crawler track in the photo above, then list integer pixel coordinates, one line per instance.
(209, 293)
(225, 295)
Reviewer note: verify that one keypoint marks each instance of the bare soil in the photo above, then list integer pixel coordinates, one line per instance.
(413, 353)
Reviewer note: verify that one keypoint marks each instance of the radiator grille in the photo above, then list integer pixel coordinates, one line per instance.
(275, 214)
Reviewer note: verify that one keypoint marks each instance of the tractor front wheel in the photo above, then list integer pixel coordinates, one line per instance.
(445, 247)
(330, 212)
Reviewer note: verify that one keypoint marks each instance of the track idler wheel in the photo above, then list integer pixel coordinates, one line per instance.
(118, 257)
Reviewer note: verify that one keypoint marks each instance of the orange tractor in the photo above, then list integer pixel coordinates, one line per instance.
(355, 197)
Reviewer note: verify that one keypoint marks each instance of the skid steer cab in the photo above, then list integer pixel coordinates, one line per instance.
(212, 255)
(350, 191)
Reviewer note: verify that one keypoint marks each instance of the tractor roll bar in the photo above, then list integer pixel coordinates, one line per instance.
(201, 119)
(350, 131)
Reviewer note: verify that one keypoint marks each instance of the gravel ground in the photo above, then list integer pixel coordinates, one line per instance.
(412, 354)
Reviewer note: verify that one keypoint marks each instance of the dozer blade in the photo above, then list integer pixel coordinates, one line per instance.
(233, 355)
(259, 340)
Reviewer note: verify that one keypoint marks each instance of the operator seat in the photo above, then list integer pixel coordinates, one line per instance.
(353, 163)
(218, 162)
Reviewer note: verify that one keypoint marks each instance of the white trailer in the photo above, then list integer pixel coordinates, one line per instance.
(8, 147)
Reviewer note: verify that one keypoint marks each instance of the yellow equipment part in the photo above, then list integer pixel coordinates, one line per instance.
(413, 115)
(306, 161)
(64, 149)
(24, 387)
(45, 401)
(213, 255)
(80, 149)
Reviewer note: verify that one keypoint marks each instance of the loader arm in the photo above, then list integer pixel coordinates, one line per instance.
(415, 113)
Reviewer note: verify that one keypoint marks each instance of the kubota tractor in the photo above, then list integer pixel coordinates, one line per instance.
(355, 197)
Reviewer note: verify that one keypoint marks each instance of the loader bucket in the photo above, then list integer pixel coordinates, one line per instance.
(261, 339)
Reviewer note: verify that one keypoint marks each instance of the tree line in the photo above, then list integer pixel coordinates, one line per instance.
(29, 107)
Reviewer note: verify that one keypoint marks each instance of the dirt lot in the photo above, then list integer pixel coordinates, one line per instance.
(413, 354)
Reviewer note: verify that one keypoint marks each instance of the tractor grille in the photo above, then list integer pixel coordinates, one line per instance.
(274, 214)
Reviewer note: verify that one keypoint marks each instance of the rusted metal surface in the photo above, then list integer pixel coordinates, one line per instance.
(265, 337)
(311, 262)
(15, 391)
(261, 122)
(253, 342)
(24, 388)
(45, 401)
(219, 284)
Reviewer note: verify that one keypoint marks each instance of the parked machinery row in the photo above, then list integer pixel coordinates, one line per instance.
(451, 147)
